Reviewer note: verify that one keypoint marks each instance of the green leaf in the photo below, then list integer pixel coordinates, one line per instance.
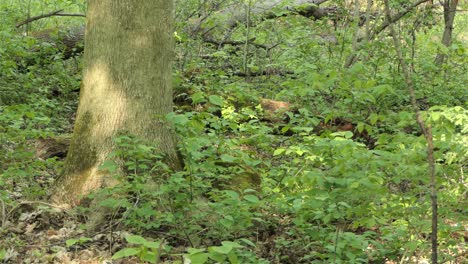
(231, 244)
(198, 98)
(217, 257)
(360, 127)
(195, 250)
(126, 252)
(252, 198)
(71, 242)
(224, 249)
(198, 257)
(179, 119)
(248, 242)
(152, 245)
(30, 114)
(373, 118)
(227, 158)
(279, 151)
(150, 257)
(232, 256)
(435, 116)
(216, 100)
(232, 194)
(135, 239)
(227, 221)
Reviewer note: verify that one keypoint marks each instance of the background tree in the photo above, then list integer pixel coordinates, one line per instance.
(450, 9)
(126, 85)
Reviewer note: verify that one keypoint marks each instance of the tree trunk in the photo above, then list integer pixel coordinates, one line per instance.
(450, 8)
(126, 87)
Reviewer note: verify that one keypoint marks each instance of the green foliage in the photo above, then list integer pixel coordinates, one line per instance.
(79, 241)
(297, 189)
(148, 251)
(220, 254)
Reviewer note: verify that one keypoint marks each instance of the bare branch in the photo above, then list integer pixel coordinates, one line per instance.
(354, 57)
(396, 17)
(54, 13)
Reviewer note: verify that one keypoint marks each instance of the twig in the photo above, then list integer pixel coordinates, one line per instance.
(426, 130)
(54, 13)
(4, 217)
(391, 20)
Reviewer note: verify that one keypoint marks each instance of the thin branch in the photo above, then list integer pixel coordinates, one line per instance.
(4, 216)
(372, 35)
(426, 130)
(71, 15)
(396, 17)
(54, 13)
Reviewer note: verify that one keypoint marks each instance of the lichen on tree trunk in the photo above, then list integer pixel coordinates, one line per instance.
(126, 87)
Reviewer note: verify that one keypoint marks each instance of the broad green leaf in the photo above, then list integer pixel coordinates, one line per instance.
(251, 198)
(150, 257)
(195, 250)
(179, 119)
(227, 158)
(71, 242)
(232, 194)
(231, 244)
(279, 151)
(217, 257)
(126, 252)
(248, 242)
(232, 256)
(216, 100)
(224, 249)
(151, 244)
(373, 118)
(198, 258)
(135, 239)
(198, 98)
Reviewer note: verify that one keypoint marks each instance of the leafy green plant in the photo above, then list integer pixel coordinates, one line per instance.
(145, 250)
(227, 251)
(78, 241)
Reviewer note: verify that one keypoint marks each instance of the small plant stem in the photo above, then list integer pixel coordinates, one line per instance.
(336, 244)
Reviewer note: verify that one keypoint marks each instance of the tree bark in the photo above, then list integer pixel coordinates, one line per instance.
(450, 8)
(126, 87)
